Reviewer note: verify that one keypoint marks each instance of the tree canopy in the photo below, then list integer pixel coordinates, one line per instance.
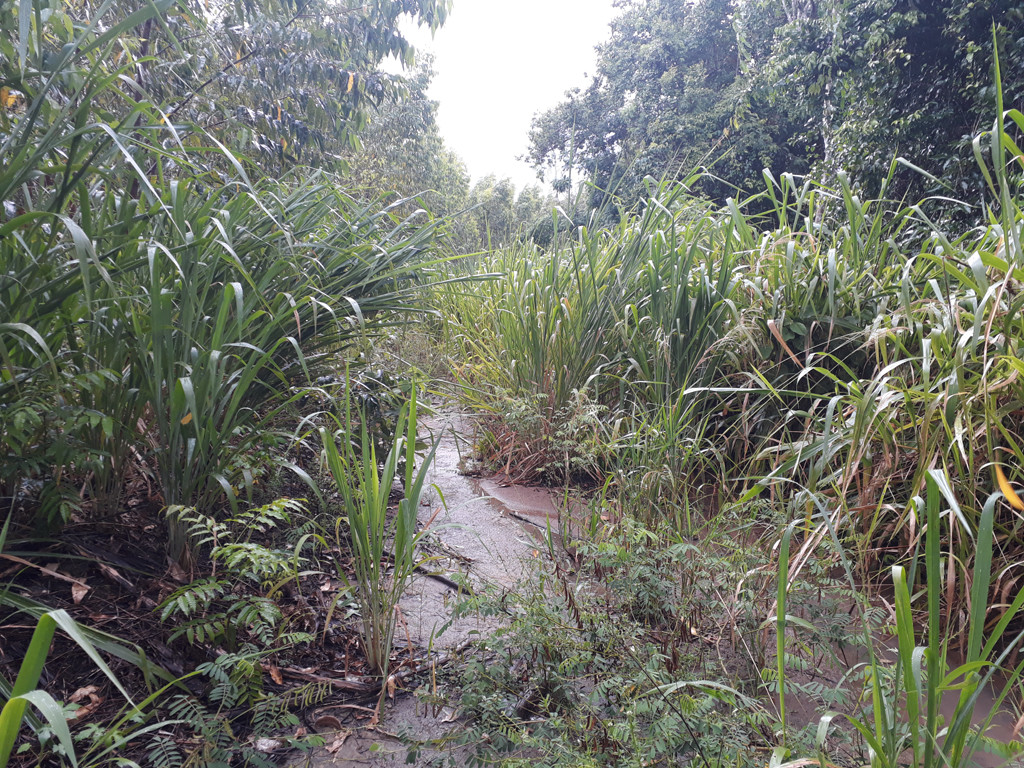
(402, 151)
(280, 83)
(738, 86)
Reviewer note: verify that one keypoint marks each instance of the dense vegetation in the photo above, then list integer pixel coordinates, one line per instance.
(783, 395)
(794, 87)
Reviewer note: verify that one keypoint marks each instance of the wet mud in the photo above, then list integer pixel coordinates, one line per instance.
(485, 533)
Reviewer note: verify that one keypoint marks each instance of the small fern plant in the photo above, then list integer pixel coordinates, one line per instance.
(208, 729)
(234, 607)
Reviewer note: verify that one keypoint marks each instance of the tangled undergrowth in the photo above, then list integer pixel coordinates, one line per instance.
(829, 361)
(802, 411)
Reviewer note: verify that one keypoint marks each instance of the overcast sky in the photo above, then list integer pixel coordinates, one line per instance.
(498, 62)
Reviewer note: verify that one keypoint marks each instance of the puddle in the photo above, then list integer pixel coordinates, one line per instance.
(535, 504)
(478, 525)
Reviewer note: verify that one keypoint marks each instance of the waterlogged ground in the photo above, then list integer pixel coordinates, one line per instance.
(485, 534)
(481, 532)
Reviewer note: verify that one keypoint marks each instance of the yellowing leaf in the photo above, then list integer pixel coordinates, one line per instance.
(187, 419)
(1007, 489)
(351, 82)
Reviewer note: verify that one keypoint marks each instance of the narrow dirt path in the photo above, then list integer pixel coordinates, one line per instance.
(482, 532)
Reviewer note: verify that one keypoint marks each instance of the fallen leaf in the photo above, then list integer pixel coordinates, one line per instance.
(339, 742)
(83, 712)
(176, 572)
(300, 732)
(392, 685)
(89, 692)
(114, 576)
(78, 591)
(83, 693)
(1007, 489)
(275, 674)
(146, 602)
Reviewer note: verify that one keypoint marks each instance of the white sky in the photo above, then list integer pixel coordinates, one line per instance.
(498, 62)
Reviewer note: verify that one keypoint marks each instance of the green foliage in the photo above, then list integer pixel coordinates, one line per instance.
(818, 88)
(366, 491)
(234, 606)
(496, 216)
(401, 151)
(577, 324)
(25, 690)
(834, 354)
(168, 323)
(234, 697)
(580, 677)
(922, 675)
(170, 278)
(665, 101)
(280, 83)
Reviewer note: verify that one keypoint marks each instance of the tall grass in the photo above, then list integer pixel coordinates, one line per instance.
(159, 304)
(598, 304)
(844, 342)
(838, 354)
(628, 318)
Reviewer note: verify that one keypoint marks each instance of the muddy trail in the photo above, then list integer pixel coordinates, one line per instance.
(482, 533)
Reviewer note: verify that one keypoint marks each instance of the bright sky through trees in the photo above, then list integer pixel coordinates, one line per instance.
(498, 63)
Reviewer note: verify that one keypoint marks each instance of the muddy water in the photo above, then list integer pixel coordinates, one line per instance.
(479, 531)
(807, 711)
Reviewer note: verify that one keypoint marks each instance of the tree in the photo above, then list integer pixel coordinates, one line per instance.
(497, 216)
(737, 86)
(879, 78)
(665, 101)
(301, 75)
(402, 152)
